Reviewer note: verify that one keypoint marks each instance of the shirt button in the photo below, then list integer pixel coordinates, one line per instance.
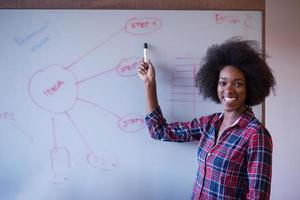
(208, 154)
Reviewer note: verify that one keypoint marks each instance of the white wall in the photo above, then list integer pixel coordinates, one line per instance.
(282, 110)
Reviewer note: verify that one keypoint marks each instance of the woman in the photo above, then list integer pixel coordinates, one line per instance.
(235, 150)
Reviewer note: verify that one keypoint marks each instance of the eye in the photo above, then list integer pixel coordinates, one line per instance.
(238, 84)
(222, 83)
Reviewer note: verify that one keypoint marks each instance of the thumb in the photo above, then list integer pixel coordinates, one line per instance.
(151, 67)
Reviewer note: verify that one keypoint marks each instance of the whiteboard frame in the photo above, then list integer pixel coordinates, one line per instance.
(147, 5)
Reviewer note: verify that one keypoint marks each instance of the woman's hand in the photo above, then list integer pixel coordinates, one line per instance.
(146, 72)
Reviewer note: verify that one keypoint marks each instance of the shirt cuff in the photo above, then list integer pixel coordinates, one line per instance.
(154, 117)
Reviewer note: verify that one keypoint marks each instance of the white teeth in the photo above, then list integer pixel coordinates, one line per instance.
(229, 100)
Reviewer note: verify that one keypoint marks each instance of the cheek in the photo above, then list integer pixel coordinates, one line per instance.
(219, 91)
(243, 93)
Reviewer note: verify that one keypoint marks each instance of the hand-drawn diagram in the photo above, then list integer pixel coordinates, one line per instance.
(9, 117)
(247, 21)
(183, 84)
(37, 44)
(55, 89)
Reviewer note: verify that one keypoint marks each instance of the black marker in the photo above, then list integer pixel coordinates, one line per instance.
(145, 52)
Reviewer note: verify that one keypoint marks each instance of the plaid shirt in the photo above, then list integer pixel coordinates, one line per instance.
(239, 166)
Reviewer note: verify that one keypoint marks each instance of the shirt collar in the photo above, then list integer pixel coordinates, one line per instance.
(241, 121)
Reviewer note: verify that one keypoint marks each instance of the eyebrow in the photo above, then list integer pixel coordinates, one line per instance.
(237, 79)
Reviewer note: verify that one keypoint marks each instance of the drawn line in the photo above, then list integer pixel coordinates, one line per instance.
(93, 49)
(23, 132)
(94, 76)
(78, 131)
(54, 132)
(98, 106)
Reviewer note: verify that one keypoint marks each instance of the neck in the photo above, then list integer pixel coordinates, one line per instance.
(231, 116)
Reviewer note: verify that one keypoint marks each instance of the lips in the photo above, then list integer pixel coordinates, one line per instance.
(230, 99)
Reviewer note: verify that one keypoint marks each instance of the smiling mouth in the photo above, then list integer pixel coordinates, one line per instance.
(229, 99)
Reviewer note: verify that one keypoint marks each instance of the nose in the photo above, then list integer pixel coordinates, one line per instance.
(229, 88)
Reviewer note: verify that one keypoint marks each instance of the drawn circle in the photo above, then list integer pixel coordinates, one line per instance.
(143, 26)
(128, 67)
(104, 161)
(132, 123)
(53, 89)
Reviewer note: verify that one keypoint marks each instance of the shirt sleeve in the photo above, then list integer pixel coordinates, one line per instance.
(177, 131)
(259, 165)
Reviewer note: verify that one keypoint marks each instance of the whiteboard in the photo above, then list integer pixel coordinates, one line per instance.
(72, 106)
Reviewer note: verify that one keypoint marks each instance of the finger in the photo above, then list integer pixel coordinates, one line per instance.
(144, 67)
(142, 70)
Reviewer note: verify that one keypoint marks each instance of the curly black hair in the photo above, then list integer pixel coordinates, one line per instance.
(245, 56)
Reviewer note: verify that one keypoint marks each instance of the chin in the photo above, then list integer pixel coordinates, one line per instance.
(230, 108)
(226, 109)
(233, 108)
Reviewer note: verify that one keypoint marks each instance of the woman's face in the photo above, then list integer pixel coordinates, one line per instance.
(232, 89)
